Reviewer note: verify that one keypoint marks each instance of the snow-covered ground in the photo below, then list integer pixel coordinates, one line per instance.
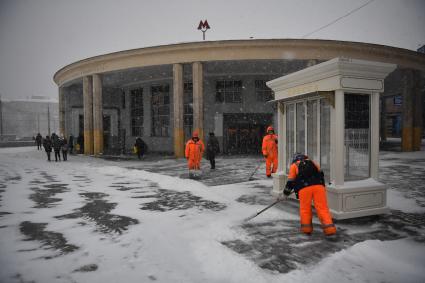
(93, 220)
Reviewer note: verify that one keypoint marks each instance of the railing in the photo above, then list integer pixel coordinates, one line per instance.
(357, 153)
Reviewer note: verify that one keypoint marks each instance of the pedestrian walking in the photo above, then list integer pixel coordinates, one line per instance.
(213, 148)
(307, 181)
(65, 147)
(80, 142)
(140, 147)
(53, 136)
(71, 144)
(269, 148)
(193, 152)
(47, 144)
(57, 145)
(38, 140)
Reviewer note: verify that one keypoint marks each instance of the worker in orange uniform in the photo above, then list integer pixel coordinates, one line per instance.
(193, 152)
(307, 180)
(269, 149)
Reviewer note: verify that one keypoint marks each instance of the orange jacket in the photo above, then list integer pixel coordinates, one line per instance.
(194, 150)
(269, 146)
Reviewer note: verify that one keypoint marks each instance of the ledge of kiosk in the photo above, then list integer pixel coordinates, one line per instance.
(279, 182)
(357, 199)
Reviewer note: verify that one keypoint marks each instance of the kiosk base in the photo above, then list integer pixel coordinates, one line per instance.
(357, 199)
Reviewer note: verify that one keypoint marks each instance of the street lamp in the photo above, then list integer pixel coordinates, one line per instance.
(203, 26)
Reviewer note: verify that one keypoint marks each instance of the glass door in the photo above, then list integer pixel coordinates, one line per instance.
(357, 136)
(308, 131)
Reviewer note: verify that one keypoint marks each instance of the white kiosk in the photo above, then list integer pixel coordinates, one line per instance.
(330, 112)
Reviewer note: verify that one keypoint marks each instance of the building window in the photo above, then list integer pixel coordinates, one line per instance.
(123, 99)
(262, 91)
(136, 113)
(188, 108)
(160, 107)
(228, 91)
(308, 131)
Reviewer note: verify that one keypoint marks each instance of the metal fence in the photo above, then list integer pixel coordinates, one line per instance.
(357, 154)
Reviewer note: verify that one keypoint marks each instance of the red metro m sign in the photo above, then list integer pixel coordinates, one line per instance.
(203, 26)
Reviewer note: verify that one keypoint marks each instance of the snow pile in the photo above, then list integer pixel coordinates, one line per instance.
(174, 245)
(370, 261)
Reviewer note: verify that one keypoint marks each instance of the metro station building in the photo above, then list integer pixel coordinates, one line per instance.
(164, 93)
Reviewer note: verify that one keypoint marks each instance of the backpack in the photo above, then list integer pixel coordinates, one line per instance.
(65, 147)
(308, 175)
(306, 168)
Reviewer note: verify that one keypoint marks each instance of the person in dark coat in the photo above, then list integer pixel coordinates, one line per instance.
(57, 145)
(65, 149)
(71, 144)
(47, 144)
(38, 140)
(213, 148)
(80, 141)
(140, 147)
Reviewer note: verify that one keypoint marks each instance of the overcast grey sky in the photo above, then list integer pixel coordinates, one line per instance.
(38, 37)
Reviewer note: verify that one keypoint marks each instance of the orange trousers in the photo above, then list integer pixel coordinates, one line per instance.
(194, 164)
(271, 165)
(317, 194)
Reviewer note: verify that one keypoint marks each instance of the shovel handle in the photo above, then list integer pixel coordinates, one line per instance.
(261, 211)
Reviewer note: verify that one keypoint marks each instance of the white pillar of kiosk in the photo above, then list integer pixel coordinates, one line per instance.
(330, 111)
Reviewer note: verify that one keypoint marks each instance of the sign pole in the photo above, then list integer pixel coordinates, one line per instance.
(203, 26)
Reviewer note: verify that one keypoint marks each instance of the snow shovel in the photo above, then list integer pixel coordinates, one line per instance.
(255, 170)
(264, 209)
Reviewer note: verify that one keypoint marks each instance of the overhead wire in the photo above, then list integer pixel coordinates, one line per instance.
(338, 19)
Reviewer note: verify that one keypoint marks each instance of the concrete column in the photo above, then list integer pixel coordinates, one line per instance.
(198, 99)
(88, 114)
(178, 110)
(374, 135)
(97, 115)
(383, 122)
(281, 125)
(337, 139)
(62, 112)
(407, 115)
(280, 178)
(418, 110)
